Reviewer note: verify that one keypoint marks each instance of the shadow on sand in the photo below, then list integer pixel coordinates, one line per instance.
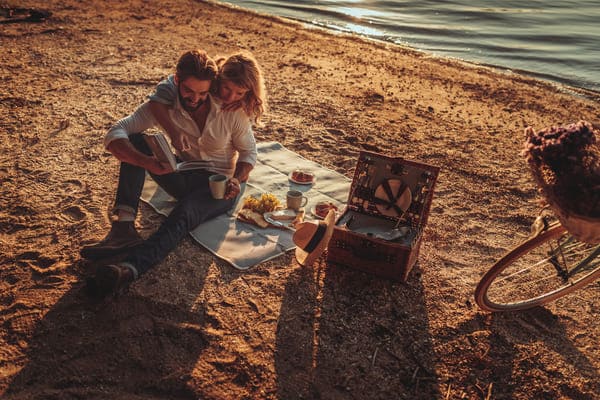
(359, 340)
(131, 347)
(491, 350)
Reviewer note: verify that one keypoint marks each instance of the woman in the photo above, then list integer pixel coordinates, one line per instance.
(239, 86)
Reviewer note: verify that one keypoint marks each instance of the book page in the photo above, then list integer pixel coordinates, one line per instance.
(194, 164)
(161, 149)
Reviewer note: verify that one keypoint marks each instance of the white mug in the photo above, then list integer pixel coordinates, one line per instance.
(217, 185)
(295, 200)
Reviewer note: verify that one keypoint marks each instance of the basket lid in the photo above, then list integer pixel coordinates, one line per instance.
(392, 187)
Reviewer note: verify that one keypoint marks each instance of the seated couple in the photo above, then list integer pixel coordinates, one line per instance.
(207, 109)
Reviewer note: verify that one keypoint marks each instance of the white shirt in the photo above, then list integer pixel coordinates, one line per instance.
(226, 139)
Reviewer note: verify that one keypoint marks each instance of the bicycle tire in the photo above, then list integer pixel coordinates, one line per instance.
(550, 286)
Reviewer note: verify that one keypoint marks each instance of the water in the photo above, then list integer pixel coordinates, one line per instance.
(553, 40)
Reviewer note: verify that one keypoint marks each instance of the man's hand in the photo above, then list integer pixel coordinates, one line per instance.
(156, 167)
(180, 141)
(232, 188)
(124, 151)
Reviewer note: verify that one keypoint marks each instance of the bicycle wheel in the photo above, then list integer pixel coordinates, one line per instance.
(538, 271)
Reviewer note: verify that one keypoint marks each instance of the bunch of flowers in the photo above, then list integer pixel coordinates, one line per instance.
(266, 203)
(566, 162)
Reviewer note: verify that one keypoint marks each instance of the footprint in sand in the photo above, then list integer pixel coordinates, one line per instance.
(22, 323)
(74, 182)
(336, 131)
(74, 213)
(6, 299)
(351, 139)
(370, 147)
(40, 263)
(346, 151)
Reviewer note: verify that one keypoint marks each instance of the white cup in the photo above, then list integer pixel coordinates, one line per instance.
(217, 185)
(295, 200)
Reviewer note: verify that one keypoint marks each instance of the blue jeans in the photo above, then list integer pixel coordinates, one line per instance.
(195, 205)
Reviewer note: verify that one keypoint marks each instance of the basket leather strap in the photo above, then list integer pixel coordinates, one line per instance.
(391, 198)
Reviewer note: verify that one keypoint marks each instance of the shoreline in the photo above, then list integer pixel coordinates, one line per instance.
(194, 326)
(561, 83)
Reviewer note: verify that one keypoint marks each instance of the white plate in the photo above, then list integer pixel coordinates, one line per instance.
(284, 223)
(301, 183)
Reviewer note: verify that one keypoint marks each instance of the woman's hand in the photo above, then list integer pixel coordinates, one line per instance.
(233, 106)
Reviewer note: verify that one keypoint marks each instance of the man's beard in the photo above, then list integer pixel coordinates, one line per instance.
(185, 103)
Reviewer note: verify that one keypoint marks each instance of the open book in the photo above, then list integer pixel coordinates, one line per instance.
(161, 150)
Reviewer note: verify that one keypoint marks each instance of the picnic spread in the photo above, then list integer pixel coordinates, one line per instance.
(244, 245)
(373, 223)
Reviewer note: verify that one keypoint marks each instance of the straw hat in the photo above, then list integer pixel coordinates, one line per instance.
(311, 239)
(392, 198)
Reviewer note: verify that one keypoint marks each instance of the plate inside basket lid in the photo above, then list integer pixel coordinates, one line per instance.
(392, 197)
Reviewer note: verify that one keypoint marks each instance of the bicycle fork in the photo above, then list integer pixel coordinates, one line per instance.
(562, 268)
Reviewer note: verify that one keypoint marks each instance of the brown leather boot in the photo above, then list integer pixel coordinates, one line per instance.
(122, 236)
(113, 280)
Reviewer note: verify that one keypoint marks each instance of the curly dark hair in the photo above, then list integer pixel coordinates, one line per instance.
(197, 64)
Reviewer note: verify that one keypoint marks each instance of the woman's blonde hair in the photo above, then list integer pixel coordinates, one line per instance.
(243, 70)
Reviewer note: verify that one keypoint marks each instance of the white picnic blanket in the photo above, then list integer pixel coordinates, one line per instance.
(244, 245)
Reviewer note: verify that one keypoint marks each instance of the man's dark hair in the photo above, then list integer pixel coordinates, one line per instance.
(198, 64)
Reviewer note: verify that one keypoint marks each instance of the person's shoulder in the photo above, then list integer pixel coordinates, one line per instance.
(238, 118)
(165, 92)
(239, 115)
(170, 80)
(167, 83)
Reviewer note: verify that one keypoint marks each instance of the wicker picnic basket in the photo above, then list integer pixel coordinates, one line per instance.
(357, 243)
(583, 228)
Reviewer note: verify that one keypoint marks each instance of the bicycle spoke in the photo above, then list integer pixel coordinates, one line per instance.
(522, 271)
(542, 268)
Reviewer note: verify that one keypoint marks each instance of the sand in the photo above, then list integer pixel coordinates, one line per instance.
(194, 327)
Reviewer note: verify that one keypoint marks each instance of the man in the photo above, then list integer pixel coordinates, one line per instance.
(223, 138)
